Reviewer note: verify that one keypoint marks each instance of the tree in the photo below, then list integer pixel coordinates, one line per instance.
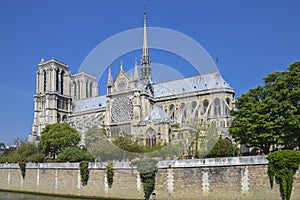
(26, 152)
(56, 137)
(223, 148)
(74, 154)
(269, 115)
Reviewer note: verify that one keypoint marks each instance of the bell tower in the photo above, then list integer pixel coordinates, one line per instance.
(52, 99)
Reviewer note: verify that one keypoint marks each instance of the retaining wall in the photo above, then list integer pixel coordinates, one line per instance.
(224, 178)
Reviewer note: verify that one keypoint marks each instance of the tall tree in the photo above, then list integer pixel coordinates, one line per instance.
(269, 115)
(56, 137)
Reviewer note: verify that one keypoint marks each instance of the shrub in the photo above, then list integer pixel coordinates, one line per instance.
(74, 154)
(84, 172)
(110, 174)
(283, 165)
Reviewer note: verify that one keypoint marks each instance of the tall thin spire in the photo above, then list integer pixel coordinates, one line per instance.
(121, 65)
(109, 78)
(146, 71)
(145, 39)
(136, 73)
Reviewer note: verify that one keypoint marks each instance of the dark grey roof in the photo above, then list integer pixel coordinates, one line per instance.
(191, 84)
(89, 104)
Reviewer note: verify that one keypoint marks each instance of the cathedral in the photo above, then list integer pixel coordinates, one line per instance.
(133, 104)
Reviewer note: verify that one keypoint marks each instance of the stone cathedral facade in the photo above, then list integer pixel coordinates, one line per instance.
(133, 104)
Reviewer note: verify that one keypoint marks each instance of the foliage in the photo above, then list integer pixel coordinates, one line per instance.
(102, 148)
(22, 166)
(56, 137)
(223, 148)
(132, 144)
(3, 158)
(147, 169)
(270, 115)
(99, 145)
(74, 154)
(170, 150)
(283, 165)
(110, 173)
(27, 152)
(84, 172)
(202, 139)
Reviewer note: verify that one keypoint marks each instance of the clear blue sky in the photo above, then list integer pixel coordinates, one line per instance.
(250, 39)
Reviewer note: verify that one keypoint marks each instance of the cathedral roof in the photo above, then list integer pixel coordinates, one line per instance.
(89, 104)
(157, 114)
(197, 83)
(191, 84)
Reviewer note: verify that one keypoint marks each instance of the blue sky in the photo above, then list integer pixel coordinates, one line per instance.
(250, 39)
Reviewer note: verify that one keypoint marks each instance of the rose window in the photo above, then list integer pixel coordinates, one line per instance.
(122, 109)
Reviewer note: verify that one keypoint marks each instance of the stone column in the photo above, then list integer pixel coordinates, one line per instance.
(54, 80)
(37, 86)
(95, 89)
(59, 81)
(48, 84)
(67, 85)
(78, 86)
(205, 181)
(170, 180)
(244, 180)
(88, 89)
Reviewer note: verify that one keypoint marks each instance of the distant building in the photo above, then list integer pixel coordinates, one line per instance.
(133, 104)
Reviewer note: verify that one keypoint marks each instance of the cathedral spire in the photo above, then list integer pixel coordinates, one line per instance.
(121, 65)
(146, 70)
(145, 39)
(109, 78)
(136, 72)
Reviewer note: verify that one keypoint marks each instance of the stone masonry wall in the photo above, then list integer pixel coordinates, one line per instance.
(225, 178)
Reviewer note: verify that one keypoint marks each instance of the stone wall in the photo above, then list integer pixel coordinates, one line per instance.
(224, 178)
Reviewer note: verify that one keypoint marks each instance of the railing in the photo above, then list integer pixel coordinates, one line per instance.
(207, 162)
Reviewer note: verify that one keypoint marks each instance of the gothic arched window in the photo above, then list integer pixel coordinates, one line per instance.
(194, 109)
(227, 106)
(205, 107)
(57, 80)
(183, 111)
(86, 89)
(75, 90)
(91, 89)
(217, 108)
(172, 111)
(45, 81)
(64, 118)
(62, 82)
(58, 118)
(150, 137)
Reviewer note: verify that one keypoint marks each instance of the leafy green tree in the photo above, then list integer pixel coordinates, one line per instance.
(223, 148)
(269, 115)
(25, 153)
(56, 137)
(74, 154)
